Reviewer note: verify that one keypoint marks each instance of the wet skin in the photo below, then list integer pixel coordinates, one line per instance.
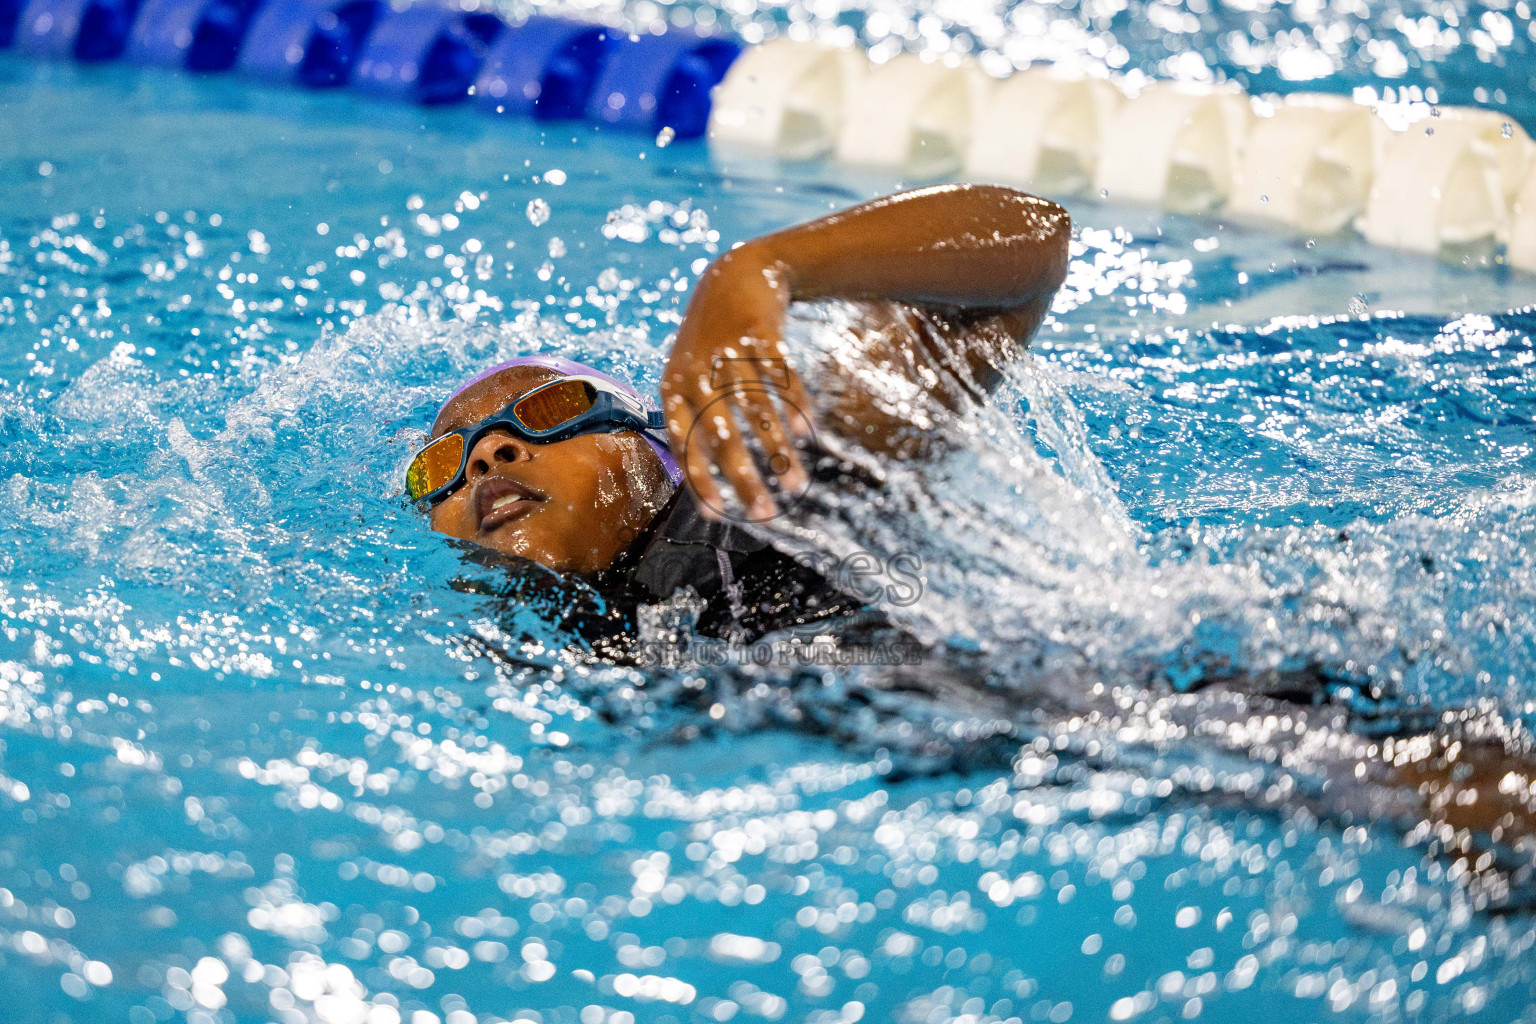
(573, 505)
(981, 262)
(985, 259)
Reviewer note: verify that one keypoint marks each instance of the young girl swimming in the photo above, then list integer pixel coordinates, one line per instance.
(557, 463)
(561, 464)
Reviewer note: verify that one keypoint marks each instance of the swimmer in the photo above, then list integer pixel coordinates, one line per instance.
(557, 463)
(545, 460)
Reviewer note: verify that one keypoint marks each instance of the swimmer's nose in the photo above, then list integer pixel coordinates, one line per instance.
(492, 450)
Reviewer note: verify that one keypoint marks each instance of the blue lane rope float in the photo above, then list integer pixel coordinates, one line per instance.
(544, 68)
(10, 13)
(425, 53)
(88, 30)
(198, 35)
(655, 82)
(309, 42)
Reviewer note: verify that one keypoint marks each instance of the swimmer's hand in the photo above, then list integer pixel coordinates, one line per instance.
(982, 261)
(986, 260)
(726, 377)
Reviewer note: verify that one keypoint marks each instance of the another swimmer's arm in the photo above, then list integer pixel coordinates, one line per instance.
(992, 257)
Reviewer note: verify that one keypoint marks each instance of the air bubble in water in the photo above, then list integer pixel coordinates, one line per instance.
(664, 137)
(538, 212)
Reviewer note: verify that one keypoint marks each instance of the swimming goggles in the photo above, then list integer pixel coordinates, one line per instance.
(561, 409)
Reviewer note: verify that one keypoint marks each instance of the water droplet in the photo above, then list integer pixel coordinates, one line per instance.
(1104, 193)
(1508, 130)
(538, 212)
(1434, 111)
(664, 137)
(1357, 306)
(1429, 131)
(546, 270)
(1263, 199)
(608, 280)
(1311, 243)
(556, 248)
(554, 176)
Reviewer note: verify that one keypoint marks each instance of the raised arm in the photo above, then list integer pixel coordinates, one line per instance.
(957, 246)
(985, 259)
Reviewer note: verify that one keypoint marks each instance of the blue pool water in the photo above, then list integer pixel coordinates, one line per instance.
(257, 766)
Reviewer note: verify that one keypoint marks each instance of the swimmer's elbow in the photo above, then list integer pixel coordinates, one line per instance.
(1057, 244)
(1052, 227)
(1041, 240)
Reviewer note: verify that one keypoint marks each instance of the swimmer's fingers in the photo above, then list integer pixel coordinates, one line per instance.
(802, 407)
(699, 477)
(734, 459)
(768, 421)
(696, 454)
(713, 442)
(680, 416)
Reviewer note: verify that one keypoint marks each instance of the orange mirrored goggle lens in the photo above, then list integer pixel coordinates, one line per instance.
(548, 407)
(434, 466)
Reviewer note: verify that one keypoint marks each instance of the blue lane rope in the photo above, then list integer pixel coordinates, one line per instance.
(652, 82)
(87, 30)
(425, 53)
(198, 35)
(543, 68)
(308, 42)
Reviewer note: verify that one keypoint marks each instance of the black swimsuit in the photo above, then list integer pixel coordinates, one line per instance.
(749, 588)
(743, 589)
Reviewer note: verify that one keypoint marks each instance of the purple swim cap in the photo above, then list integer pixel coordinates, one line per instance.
(571, 368)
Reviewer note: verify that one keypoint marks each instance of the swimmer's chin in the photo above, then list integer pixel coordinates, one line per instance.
(508, 543)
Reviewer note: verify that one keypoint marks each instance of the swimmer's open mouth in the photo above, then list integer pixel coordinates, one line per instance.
(499, 500)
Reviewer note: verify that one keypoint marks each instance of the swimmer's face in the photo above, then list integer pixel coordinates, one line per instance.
(573, 505)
